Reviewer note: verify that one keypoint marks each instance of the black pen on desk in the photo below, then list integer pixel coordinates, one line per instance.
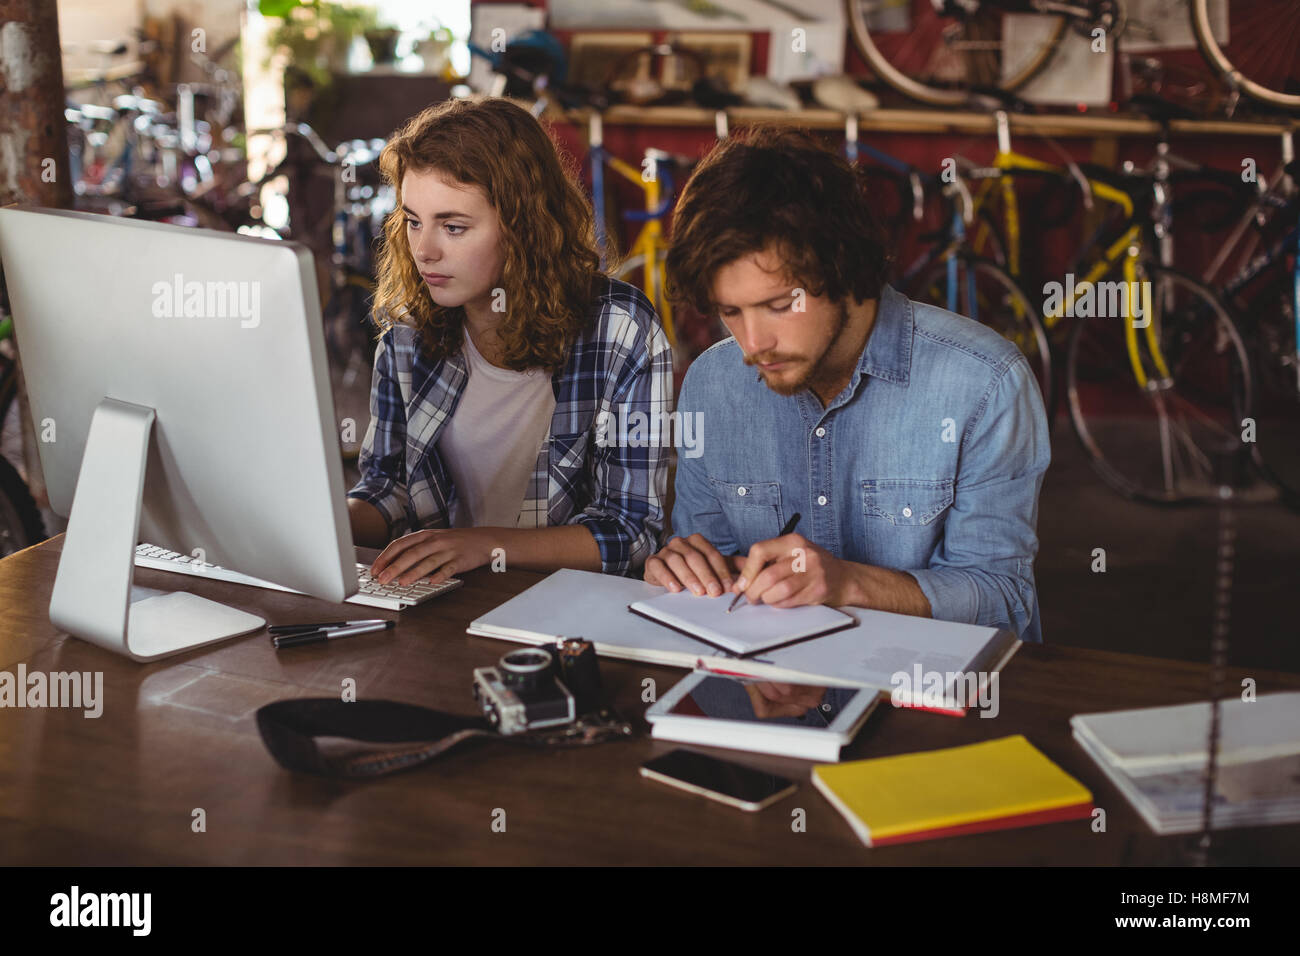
(789, 526)
(318, 637)
(323, 626)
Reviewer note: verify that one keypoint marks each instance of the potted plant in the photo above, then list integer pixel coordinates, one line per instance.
(316, 34)
(383, 44)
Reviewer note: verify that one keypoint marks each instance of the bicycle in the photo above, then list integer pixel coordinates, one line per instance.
(936, 51)
(646, 254)
(1158, 393)
(902, 198)
(974, 267)
(133, 155)
(1262, 61)
(1264, 247)
(1187, 373)
(360, 202)
(952, 274)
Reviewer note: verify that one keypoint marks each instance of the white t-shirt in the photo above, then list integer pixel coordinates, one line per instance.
(490, 445)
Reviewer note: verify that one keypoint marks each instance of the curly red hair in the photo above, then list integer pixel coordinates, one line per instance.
(551, 262)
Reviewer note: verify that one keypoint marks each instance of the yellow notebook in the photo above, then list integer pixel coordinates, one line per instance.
(951, 791)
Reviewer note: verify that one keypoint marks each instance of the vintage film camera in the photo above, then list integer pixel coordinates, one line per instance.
(536, 687)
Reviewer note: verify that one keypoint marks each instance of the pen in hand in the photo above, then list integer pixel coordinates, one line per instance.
(789, 526)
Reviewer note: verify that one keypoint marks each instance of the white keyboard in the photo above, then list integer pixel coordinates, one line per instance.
(370, 593)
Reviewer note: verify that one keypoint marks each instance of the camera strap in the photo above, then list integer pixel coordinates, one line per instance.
(370, 738)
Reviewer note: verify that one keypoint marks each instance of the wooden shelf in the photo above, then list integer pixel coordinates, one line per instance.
(935, 121)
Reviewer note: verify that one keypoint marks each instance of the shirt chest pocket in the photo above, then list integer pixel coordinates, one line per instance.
(563, 460)
(907, 502)
(567, 452)
(753, 509)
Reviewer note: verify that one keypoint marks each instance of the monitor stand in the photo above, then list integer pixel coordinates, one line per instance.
(93, 598)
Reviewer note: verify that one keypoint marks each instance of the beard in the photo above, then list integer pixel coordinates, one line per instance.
(813, 370)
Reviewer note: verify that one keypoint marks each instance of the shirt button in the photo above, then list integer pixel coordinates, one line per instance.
(821, 500)
(821, 433)
(907, 512)
(741, 490)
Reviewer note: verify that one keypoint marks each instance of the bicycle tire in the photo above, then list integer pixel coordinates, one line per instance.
(1099, 380)
(1218, 58)
(21, 525)
(928, 93)
(1025, 329)
(1271, 339)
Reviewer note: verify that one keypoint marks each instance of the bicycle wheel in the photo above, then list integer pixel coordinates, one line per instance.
(1272, 339)
(1178, 438)
(938, 57)
(20, 520)
(1262, 55)
(1002, 305)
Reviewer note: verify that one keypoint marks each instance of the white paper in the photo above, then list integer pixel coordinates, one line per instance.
(883, 646)
(1167, 25)
(1074, 74)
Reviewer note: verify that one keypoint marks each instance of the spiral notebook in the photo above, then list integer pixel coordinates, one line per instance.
(749, 629)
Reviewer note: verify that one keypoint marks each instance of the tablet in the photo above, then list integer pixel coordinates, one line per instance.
(793, 720)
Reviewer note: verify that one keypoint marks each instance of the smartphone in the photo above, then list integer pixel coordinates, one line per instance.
(721, 780)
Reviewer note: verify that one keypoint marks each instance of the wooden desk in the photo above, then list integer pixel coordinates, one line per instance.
(179, 735)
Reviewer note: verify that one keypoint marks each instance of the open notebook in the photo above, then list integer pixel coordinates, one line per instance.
(748, 629)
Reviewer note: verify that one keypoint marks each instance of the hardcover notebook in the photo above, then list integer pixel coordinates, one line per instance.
(748, 629)
(994, 785)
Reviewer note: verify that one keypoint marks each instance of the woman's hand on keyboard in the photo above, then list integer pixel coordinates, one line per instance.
(435, 554)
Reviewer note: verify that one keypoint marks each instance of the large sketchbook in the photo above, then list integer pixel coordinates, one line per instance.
(872, 652)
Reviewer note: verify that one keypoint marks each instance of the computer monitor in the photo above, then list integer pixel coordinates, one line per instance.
(180, 395)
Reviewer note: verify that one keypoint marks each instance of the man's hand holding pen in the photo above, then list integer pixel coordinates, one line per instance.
(791, 571)
(785, 571)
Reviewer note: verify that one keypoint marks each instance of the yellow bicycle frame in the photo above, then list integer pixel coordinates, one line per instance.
(1128, 248)
(648, 243)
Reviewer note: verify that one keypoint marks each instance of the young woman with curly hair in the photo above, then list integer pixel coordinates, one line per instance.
(504, 354)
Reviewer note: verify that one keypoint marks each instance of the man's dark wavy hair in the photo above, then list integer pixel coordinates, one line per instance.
(776, 185)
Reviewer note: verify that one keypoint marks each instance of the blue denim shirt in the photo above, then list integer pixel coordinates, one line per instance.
(930, 462)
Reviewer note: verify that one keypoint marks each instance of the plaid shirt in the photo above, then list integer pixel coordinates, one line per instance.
(620, 363)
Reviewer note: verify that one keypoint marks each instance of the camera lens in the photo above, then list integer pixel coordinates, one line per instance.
(523, 669)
